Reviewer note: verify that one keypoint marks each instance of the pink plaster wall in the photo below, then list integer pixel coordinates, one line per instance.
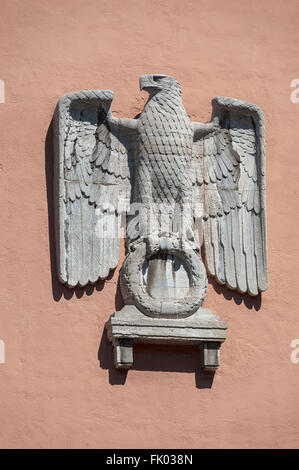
(54, 392)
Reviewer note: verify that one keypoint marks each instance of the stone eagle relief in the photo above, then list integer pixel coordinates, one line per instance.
(188, 197)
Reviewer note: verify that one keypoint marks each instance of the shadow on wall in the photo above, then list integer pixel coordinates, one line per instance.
(156, 358)
(249, 301)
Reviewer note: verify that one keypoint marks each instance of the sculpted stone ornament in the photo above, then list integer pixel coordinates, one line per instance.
(176, 187)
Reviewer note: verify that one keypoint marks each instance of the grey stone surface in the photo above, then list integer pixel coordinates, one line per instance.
(206, 179)
(123, 353)
(203, 329)
(211, 355)
(134, 291)
(180, 186)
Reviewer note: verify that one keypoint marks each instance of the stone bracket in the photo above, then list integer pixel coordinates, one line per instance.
(202, 329)
(123, 353)
(211, 355)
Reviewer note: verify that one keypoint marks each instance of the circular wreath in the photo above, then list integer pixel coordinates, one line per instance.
(134, 291)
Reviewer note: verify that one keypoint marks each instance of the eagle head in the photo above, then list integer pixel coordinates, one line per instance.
(156, 82)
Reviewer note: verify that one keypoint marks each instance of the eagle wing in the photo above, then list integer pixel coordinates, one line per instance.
(93, 166)
(229, 175)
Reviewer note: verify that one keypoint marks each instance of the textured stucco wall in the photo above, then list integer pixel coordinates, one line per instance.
(58, 387)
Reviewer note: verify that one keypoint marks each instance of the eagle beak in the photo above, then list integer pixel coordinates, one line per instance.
(145, 81)
(150, 83)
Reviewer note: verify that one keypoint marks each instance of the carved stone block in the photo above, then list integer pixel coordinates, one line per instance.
(211, 355)
(180, 186)
(202, 329)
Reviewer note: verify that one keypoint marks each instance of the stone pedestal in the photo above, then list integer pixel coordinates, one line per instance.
(202, 329)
